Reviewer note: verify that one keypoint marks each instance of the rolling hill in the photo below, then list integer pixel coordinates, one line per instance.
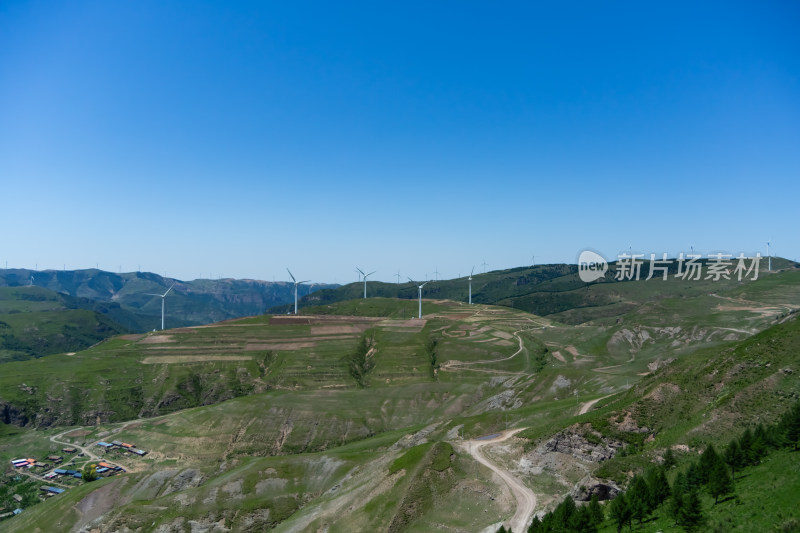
(357, 416)
(196, 302)
(546, 290)
(35, 322)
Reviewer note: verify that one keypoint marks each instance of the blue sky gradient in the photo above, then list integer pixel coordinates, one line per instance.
(209, 139)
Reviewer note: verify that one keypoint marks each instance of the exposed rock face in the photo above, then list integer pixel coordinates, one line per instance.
(590, 486)
(575, 444)
(186, 479)
(569, 457)
(628, 424)
(10, 414)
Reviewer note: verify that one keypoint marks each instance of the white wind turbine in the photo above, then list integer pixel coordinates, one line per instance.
(470, 285)
(163, 297)
(419, 286)
(296, 283)
(365, 279)
(769, 258)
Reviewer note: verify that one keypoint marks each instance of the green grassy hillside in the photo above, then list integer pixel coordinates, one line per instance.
(196, 302)
(259, 423)
(555, 291)
(35, 322)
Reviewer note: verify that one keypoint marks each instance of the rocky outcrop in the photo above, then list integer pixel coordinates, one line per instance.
(573, 441)
(591, 486)
(10, 414)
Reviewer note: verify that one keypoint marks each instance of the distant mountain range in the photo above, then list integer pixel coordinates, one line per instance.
(121, 303)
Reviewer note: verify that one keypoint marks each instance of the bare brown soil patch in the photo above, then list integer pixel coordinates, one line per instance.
(157, 339)
(339, 329)
(174, 359)
(77, 433)
(663, 391)
(290, 320)
(558, 356)
(280, 346)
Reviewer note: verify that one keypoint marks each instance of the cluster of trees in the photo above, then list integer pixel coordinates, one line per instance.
(645, 494)
(89, 473)
(433, 355)
(709, 472)
(359, 362)
(712, 472)
(568, 518)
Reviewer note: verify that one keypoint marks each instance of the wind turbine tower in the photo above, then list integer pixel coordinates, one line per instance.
(296, 283)
(420, 293)
(769, 258)
(470, 285)
(163, 297)
(365, 279)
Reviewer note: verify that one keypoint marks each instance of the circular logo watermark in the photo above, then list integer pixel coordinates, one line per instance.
(591, 266)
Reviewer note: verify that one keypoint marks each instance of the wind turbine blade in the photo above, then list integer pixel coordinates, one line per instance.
(290, 273)
(165, 294)
(412, 281)
(362, 272)
(306, 281)
(151, 294)
(371, 273)
(472, 271)
(425, 283)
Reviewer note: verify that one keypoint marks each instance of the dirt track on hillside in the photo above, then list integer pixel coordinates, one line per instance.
(526, 499)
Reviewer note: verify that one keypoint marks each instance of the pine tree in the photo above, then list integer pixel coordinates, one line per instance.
(733, 457)
(759, 447)
(620, 512)
(790, 425)
(680, 485)
(707, 461)
(596, 511)
(719, 482)
(562, 515)
(502, 529)
(693, 480)
(639, 498)
(536, 525)
(746, 444)
(659, 488)
(676, 505)
(692, 517)
(669, 459)
(581, 521)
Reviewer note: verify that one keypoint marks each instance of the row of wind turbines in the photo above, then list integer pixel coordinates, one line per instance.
(364, 277)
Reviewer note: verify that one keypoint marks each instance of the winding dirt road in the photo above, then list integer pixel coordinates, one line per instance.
(455, 364)
(86, 451)
(588, 405)
(526, 499)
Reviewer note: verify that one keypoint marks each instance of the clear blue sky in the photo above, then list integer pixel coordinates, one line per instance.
(203, 138)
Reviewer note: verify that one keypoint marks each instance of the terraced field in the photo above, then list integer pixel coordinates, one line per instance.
(259, 423)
